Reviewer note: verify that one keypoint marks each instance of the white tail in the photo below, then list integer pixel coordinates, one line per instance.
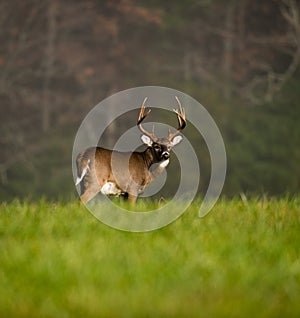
(84, 171)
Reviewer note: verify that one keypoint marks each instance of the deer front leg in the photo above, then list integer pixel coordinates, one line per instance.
(132, 195)
(132, 198)
(133, 192)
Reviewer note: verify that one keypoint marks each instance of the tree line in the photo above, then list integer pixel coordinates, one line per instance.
(240, 59)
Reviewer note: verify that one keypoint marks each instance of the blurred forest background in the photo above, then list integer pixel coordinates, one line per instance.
(238, 58)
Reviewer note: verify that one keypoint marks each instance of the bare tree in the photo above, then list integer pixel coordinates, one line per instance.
(290, 10)
(20, 27)
(49, 63)
(228, 49)
(264, 85)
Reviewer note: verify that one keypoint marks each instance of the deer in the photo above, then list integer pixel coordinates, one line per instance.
(127, 174)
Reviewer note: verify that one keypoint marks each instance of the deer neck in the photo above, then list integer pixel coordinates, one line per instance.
(148, 156)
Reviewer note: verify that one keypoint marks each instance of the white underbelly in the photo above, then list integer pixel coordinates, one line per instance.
(110, 188)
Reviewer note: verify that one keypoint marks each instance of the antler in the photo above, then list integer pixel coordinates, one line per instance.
(141, 117)
(181, 120)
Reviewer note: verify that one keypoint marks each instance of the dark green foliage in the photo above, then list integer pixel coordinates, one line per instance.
(263, 146)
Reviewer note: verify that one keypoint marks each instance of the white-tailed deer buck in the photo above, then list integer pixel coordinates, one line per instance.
(127, 173)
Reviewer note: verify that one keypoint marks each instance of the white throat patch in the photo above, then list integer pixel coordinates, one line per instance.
(164, 163)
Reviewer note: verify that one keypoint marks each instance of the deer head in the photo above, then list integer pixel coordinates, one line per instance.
(161, 147)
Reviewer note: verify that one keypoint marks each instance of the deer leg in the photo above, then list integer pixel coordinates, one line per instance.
(90, 187)
(88, 195)
(132, 198)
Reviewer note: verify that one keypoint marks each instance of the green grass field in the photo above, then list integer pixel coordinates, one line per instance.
(241, 260)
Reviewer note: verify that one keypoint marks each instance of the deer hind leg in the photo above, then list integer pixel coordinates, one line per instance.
(88, 195)
(91, 187)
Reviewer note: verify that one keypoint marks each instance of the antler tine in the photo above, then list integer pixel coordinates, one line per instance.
(181, 119)
(181, 109)
(141, 117)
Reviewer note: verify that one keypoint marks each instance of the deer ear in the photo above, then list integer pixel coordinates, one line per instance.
(176, 140)
(146, 140)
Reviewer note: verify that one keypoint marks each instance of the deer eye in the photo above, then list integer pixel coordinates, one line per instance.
(156, 147)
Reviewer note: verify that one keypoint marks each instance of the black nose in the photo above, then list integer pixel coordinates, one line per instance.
(165, 155)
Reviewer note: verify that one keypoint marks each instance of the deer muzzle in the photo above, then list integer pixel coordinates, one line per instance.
(165, 155)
